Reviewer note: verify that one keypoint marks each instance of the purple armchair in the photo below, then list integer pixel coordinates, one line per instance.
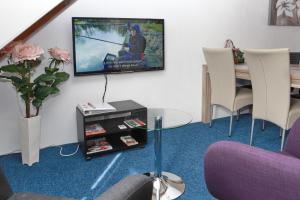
(235, 171)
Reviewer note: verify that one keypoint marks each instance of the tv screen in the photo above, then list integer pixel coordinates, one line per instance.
(116, 45)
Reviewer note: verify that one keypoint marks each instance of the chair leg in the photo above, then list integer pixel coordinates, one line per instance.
(251, 134)
(282, 139)
(280, 132)
(211, 115)
(238, 112)
(263, 125)
(230, 126)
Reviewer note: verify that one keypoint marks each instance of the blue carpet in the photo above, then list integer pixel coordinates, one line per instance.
(183, 152)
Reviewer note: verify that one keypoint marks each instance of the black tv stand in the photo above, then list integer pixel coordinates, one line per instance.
(110, 121)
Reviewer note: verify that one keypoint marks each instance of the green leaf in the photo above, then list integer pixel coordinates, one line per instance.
(26, 97)
(25, 88)
(37, 102)
(50, 70)
(9, 68)
(16, 81)
(54, 90)
(44, 91)
(45, 78)
(61, 77)
(19, 69)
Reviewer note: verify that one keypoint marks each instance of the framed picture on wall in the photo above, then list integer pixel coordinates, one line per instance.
(284, 12)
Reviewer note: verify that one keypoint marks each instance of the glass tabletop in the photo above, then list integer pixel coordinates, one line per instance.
(171, 118)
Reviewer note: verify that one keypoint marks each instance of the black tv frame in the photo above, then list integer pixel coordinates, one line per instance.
(114, 71)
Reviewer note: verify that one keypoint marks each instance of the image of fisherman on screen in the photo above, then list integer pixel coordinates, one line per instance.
(135, 47)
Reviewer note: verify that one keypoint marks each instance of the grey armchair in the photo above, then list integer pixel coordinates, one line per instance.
(6, 192)
(137, 187)
(235, 171)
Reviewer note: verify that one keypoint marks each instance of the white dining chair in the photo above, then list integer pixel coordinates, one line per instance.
(270, 76)
(223, 83)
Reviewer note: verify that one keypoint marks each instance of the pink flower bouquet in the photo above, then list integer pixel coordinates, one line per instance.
(59, 54)
(22, 60)
(22, 52)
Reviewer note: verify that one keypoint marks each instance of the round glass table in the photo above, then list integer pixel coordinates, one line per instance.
(166, 185)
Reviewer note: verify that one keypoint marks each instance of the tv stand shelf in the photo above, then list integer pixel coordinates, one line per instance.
(110, 122)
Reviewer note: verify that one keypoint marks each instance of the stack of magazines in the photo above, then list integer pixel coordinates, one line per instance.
(98, 145)
(128, 140)
(131, 123)
(94, 129)
(91, 108)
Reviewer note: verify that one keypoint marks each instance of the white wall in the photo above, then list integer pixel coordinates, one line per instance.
(189, 26)
(16, 16)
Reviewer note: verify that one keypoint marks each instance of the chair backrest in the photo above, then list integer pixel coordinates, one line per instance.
(270, 76)
(5, 190)
(294, 57)
(222, 76)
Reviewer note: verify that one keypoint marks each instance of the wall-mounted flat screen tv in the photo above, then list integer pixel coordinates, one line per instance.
(117, 45)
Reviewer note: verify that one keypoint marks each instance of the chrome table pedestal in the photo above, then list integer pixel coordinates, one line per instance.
(166, 186)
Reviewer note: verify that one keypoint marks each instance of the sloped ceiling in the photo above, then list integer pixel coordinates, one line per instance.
(20, 19)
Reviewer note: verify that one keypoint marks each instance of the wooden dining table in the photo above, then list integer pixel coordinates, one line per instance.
(241, 72)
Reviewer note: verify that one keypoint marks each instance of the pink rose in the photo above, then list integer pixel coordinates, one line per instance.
(59, 54)
(22, 52)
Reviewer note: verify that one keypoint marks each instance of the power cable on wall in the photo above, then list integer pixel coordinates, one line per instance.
(105, 88)
(103, 100)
